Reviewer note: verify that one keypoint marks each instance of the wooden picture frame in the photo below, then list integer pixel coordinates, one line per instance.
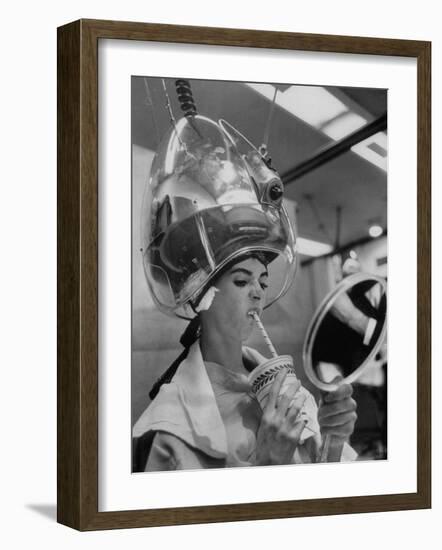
(77, 224)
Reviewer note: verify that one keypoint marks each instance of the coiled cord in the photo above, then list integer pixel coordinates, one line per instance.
(185, 97)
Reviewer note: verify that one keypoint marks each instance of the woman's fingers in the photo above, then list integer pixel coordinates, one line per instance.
(337, 408)
(295, 408)
(344, 391)
(338, 419)
(275, 389)
(297, 429)
(342, 431)
(284, 401)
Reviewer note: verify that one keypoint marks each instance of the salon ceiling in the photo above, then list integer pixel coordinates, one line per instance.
(348, 182)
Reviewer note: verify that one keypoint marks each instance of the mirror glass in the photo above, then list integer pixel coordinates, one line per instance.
(347, 331)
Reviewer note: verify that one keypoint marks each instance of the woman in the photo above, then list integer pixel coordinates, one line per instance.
(215, 224)
(208, 417)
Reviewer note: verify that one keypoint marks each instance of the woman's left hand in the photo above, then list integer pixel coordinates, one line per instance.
(337, 415)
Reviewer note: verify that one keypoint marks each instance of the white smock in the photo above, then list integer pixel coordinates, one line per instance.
(207, 417)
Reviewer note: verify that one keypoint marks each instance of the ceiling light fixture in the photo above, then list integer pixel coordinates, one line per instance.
(375, 231)
(343, 125)
(374, 149)
(312, 104)
(309, 247)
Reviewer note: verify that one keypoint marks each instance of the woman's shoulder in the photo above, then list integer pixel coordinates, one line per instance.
(165, 406)
(188, 412)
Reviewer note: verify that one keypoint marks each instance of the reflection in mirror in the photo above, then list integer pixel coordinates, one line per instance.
(349, 331)
(346, 331)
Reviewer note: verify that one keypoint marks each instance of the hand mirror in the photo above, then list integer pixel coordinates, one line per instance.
(347, 331)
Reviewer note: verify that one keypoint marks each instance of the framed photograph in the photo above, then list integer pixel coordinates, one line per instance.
(243, 230)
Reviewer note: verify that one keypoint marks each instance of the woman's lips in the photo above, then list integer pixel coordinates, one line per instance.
(253, 312)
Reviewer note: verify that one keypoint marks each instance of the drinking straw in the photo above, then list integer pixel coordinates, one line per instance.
(264, 333)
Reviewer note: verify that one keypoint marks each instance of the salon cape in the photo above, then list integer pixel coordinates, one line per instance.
(190, 431)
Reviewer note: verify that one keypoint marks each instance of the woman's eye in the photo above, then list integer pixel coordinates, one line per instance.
(264, 286)
(240, 283)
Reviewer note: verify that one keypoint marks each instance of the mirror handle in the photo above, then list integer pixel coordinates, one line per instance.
(325, 448)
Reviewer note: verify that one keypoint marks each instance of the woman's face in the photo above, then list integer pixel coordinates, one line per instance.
(241, 291)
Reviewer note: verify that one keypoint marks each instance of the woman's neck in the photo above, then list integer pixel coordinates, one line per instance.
(223, 349)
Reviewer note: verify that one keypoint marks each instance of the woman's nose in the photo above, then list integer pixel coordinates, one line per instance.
(256, 291)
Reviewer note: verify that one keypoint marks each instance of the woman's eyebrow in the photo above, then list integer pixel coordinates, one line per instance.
(247, 272)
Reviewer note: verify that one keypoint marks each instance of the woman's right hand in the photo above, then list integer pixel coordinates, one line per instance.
(281, 424)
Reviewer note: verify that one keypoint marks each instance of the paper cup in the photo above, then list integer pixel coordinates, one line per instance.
(263, 376)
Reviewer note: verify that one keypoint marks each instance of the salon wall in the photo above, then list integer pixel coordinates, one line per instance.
(155, 336)
(28, 276)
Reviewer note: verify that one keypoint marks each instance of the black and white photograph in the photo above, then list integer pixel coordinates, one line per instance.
(259, 274)
(215, 219)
